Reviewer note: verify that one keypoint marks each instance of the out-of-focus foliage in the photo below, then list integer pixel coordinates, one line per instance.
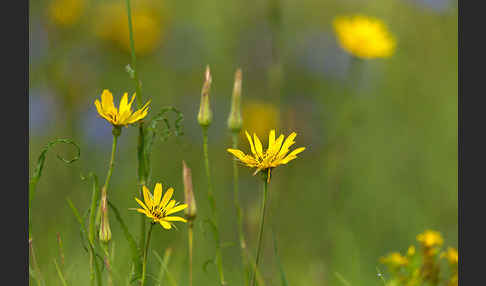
(380, 163)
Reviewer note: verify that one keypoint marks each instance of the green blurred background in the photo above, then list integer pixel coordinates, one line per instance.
(381, 158)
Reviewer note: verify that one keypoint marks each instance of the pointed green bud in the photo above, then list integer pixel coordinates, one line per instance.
(205, 115)
(190, 200)
(234, 120)
(105, 231)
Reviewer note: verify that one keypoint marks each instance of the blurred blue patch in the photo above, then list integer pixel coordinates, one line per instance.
(436, 5)
(38, 41)
(43, 111)
(318, 53)
(95, 130)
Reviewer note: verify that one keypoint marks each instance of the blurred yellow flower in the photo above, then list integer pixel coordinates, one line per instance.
(394, 259)
(364, 37)
(430, 238)
(451, 255)
(275, 155)
(65, 13)
(159, 208)
(124, 115)
(260, 117)
(411, 250)
(146, 23)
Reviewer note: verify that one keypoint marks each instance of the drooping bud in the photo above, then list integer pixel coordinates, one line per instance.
(205, 115)
(105, 231)
(190, 200)
(234, 120)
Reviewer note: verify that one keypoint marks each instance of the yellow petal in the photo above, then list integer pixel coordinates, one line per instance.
(258, 146)
(273, 150)
(237, 153)
(165, 224)
(166, 197)
(170, 205)
(174, 218)
(176, 209)
(142, 211)
(123, 103)
(147, 197)
(141, 204)
(100, 111)
(292, 155)
(251, 143)
(286, 145)
(157, 194)
(271, 138)
(107, 102)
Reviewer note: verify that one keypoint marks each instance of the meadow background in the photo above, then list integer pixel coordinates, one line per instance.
(381, 158)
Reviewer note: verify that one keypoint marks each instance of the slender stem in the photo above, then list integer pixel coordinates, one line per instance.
(108, 263)
(260, 236)
(244, 258)
(39, 277)
(219, 258)
(112, 162)
(190, 237)
(145, 254)
(134, 58)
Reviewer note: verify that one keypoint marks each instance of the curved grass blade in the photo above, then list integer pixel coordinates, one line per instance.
(163, 266)
(60, 274)
(37, 173)
(280, 267)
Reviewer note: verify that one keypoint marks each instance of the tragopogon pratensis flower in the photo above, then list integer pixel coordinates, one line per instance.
(364, 37)
(451, 255)
(275, 155)
(122, 116)
(394, 259)
(159, 208)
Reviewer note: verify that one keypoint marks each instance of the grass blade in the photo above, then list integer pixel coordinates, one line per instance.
(280, 267)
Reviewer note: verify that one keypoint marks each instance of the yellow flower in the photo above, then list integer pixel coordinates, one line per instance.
(430, 238)
(276, 153)
(411, 250)
(394, 259)
(122, 116)
(146, 24)
(65, 13)
(159, 208)
(364, 37)
(260, 117)
(451, 255)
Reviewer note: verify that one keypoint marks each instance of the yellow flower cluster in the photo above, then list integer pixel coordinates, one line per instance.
(430, 238)
(66, 13)
(364, 37)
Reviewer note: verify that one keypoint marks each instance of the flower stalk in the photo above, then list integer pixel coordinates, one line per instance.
(145, 254)
(262, 225)
(190, 211)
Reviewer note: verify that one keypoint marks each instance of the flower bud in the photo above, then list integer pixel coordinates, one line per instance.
(234, 120)
(190, 200)
(205, 115)
(105, 231)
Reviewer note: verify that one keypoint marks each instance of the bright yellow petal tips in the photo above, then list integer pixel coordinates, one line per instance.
(364, 37)
(158, 208)
(275, 155)
(123, 115)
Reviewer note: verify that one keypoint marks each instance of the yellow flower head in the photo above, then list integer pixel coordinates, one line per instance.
(430, 238)
(276, 153)
(122, 116)
(411, 250)
(66, 13)
(260, 117)
(394, 259)
(451, 255)
(159, 208)
(364, 37)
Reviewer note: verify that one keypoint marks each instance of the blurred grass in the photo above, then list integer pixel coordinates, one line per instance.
(381, 165)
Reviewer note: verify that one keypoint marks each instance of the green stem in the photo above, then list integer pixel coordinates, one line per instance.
(134, 58)
(145, 254)
(244, 258)
(190, 237)
(112, 162)
(260, 236)
(108, 263)
(212, 202)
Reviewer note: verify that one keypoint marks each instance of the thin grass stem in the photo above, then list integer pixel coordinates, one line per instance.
(189, 241)
(212, 203)
(145, 254)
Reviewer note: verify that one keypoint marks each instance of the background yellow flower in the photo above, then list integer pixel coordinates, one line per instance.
(364, 37)
(66, 13)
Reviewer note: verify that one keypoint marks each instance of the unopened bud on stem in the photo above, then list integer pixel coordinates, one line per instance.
(205, 115)
(190, 200)
(234, 120)
(105, 231)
